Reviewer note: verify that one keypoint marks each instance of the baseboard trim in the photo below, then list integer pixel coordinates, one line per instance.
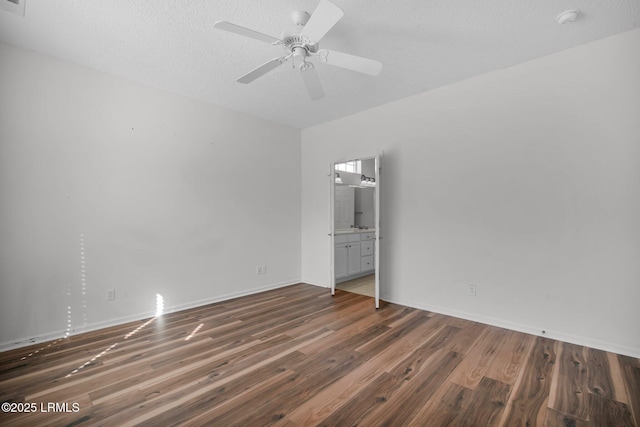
(527, 329)
(51, 336)
(232, 295)
(320, 285)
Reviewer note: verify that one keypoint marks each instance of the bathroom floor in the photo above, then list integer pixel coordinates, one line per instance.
(362, 285)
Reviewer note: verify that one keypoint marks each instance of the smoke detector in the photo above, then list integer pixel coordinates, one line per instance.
(567, 17)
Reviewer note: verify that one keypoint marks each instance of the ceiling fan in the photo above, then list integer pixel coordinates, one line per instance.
(301, 43)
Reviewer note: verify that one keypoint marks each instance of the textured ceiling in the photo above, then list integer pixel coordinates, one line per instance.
(423, 44)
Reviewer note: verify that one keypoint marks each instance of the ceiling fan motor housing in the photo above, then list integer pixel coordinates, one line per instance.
(292, 40)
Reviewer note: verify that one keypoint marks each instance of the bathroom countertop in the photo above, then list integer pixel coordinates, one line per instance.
(355, 230)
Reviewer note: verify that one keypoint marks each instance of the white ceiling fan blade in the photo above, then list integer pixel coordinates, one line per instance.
(237, 29)
(351, 62)
(312, 82)
(323, 19)
(262, 70)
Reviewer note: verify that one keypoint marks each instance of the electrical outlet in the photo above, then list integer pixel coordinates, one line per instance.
(111, 294)
(264, 269)
(261, 269)
(472, 290)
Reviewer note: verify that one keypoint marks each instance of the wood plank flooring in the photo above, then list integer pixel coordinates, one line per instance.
(297, 356)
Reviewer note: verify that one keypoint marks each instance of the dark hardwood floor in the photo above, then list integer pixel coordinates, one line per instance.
(298, 357)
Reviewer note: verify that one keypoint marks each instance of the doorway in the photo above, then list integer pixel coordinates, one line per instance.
(354, 226)
(364, 285)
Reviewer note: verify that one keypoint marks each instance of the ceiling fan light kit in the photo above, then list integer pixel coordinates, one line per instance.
(300, 42)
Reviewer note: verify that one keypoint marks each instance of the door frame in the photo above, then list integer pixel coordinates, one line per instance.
(331, 231)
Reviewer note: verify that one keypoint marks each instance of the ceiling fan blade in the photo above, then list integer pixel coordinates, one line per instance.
(237, 29)
(312, 82)
(323, 19)
(262, 70)
(351, 62)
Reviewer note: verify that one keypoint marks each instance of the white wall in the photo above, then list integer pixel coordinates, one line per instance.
(524, 182)
(172, 196)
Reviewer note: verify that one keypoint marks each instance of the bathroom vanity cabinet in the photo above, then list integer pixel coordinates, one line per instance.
(354, 254)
